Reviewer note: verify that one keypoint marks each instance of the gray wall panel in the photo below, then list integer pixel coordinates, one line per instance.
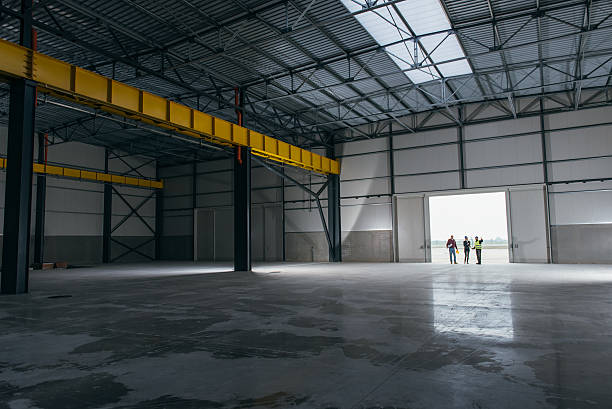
(508, 127)
(584, 142)
(505, 176)
(365, 187)
(510, 151)
(422, 160)
(581, 169)
(352, 148)
(425, 183)
(425, 138)
(582, 243)
(366, 217)
(365, 166)
(581, 208)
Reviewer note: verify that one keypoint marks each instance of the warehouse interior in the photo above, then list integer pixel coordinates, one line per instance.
(228, 203)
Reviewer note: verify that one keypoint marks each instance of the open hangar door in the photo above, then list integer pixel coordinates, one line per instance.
(527, 218)
(529, 240)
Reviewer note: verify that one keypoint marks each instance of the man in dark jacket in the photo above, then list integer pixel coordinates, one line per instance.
(466, 250)
(451, 244)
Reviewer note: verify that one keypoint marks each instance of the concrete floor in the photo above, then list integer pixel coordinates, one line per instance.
(310, 335)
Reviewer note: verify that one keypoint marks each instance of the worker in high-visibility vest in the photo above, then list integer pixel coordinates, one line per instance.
(478, 248)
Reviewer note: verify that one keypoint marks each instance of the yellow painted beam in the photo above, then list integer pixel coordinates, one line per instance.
(77, 84)
(91, 176)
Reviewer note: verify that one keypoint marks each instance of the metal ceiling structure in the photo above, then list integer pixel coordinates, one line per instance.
(307, 68)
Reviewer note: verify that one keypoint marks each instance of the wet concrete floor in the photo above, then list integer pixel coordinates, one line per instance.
(187, 335)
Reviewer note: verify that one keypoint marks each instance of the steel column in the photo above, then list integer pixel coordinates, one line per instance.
(333, 215)
(194, 203)
(461, 150)
(159, 215)
(546, 182)
(18, 191)
(284, 241)
(107, 218)
(242, 209)
(391, 161)
(41, 191)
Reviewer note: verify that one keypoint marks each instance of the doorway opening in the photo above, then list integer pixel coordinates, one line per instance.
(476, 214)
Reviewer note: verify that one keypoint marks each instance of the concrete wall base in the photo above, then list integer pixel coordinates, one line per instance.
(582, 243)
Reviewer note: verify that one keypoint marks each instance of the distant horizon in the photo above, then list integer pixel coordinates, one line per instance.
(477, 214)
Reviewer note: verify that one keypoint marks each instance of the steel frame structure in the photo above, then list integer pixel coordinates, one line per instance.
(304, 94)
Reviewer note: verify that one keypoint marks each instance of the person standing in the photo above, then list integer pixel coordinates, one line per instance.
(466, 250)
(451, 244)
(478, 248)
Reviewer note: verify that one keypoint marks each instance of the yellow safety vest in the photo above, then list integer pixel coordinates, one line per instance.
(478, 244)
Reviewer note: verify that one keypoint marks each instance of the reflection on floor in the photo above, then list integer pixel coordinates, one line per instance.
(187, 335)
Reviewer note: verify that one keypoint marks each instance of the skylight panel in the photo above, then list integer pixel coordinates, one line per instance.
(424, 17)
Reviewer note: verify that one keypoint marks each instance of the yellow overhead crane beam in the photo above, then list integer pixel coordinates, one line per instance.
(92, 176)
(86, 87)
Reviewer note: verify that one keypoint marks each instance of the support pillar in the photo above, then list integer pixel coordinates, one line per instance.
(242, 209)
(159, 215)
(41, 192)
(333, 216)
(461, 150)
(108, 210)
(283, 221)
(18, 193)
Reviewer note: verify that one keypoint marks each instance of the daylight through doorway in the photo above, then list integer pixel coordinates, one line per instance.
(478, 214)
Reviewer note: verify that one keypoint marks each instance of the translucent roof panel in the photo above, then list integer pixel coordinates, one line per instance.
(424, 17)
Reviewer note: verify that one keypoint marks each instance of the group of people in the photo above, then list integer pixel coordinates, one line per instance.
(451, 244)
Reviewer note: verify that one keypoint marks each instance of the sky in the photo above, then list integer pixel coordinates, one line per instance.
(479, 214)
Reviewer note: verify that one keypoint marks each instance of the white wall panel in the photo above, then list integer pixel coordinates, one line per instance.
(581, 169)
(178, 225)
(425, 138)
(366, 217)
(505, 176)
(365, 166)
(268, 195)
(214, 182)
(177, 185)
(439, 158)
(302, 221)
(59, 200)
(179, 170)
(77, 154)
(578, 118)
(509, 151)
(73, 224)
(365, 187)
(426, 183)
(576, 143)
(212, 200)
(181, 202)
(367, 146)
(261, 177)
(499, 128)
(581, 207)
(213, 165)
